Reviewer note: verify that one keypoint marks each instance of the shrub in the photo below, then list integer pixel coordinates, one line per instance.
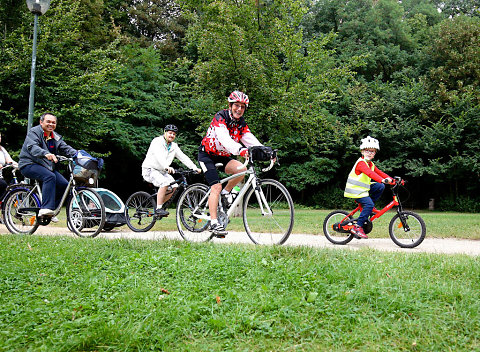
(463, 204)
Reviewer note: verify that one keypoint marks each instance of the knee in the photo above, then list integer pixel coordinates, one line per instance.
(242, 169)
(368, 204)
(216, 188)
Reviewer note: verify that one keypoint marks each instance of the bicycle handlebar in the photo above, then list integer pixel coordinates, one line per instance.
(184, 172)
(247, 160)
(8, 165)
(398, 181)
(62, 158)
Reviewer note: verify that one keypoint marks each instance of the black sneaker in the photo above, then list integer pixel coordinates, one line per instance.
(161, 213)
(217, 230)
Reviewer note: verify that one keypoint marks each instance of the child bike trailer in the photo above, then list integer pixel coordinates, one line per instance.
(114, 209)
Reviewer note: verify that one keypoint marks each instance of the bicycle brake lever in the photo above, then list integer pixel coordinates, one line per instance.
(244, 164)
(272, 162)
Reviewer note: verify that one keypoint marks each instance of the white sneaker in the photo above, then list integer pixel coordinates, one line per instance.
(54, 219)
(46, 212)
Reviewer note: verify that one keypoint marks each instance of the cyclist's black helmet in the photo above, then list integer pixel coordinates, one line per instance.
(171, 128)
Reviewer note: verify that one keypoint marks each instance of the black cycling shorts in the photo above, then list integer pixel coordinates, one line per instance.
(207, 163)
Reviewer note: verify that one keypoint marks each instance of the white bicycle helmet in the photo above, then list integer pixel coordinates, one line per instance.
(238, 97)
(369, 142)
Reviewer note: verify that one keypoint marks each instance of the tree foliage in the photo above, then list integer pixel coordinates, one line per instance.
(320, 74)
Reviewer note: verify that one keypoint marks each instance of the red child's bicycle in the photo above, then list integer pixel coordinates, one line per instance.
(407, 229)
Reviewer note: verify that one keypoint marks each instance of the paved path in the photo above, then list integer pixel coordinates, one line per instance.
(429, 245)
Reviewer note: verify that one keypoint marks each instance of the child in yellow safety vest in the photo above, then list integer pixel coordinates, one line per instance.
(359, 185)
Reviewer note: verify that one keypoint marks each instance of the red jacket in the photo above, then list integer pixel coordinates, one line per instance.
(376, 175)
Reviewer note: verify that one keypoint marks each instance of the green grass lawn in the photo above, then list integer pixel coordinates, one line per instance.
(71, 294)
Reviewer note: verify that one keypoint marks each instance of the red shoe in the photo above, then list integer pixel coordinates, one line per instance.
(358, 232)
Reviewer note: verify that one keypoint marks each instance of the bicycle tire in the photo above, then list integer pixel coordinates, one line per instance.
(86, 212)
(21, 222)
(334, 236)
(190, 227)
(274, 228)
(410, 236)
(140, 211)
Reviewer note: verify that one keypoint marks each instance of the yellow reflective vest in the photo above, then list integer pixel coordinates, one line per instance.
(358, 185)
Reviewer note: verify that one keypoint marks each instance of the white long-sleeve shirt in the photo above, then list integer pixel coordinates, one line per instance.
(159, 156)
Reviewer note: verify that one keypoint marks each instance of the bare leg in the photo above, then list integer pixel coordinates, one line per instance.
(232, 169)
(163, 196)
(213, 200)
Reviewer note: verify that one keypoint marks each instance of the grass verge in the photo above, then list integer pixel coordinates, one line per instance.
(66, 294)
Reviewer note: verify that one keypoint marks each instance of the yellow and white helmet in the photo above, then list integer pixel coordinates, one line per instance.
(369, 142)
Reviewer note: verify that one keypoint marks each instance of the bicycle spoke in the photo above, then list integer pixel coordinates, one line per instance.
(407, 229)
(191, 215)
(264, 226)
(19, 218)
(86, 213)
(140, 211)
(331, 229)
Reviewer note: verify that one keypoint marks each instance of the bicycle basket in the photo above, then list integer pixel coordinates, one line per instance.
(86, 168)
(262, 153)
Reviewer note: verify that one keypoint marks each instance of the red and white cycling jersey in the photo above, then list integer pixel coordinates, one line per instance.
(225, 135)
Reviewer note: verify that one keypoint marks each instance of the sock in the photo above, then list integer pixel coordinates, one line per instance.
(213, 221)
(159, 206)
(224, 191)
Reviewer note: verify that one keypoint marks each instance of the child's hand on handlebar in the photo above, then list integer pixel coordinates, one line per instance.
(388, 181)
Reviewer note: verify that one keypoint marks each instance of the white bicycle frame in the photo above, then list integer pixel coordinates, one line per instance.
(252, 181)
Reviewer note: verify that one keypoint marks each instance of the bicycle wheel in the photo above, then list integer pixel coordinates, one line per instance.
(269, 220)
(192, 217)
(140, 211)
(407, 229)
(336, 237)
(18, 214)
(85, 212)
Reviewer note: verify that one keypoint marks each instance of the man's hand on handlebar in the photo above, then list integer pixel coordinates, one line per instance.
(51, 157)
(170, 170)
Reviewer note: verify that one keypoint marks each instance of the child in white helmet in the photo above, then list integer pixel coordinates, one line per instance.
(359, 185)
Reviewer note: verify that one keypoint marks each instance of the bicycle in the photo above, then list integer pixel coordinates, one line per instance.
(407, 229)
(140, 206)
(85, 209)
(267, 209)
(13, 183)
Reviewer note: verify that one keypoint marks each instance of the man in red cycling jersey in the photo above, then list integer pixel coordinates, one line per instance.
(227, 135)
